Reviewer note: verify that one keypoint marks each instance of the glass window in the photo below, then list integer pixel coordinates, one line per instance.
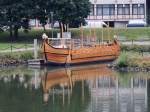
(120, 9)
(105, 9)
(135, 9)
(99, 10)
(126, 9)
(92, 10)
(112, 9)
(141, 9)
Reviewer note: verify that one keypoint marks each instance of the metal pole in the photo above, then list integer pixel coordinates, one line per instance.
(35, 48)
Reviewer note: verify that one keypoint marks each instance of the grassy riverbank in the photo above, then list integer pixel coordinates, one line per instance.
(132, 59)
(128, 33)
(7, 46)
(136, 48)
(16, 56)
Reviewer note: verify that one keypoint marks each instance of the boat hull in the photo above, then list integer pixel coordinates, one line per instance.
(79, 63)
(68, 57)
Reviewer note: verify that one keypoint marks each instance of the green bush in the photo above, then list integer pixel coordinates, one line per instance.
(132, 59)
(137, 48)
(128, 33)
(26, 56)
(16, 56)
(121, 61)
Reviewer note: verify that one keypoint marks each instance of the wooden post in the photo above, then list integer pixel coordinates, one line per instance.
(35, 49)
(62, 40)
(132, 41)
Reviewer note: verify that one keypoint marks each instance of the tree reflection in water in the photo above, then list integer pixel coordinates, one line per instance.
(93, 88)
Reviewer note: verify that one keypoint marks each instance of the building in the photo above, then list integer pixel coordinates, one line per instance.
(117, 13)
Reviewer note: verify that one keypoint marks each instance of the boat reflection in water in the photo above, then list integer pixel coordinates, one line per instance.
(90, 88)
(94, 88)
(65, 78)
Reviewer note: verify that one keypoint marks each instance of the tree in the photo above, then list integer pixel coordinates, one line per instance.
(70, 12)
(17, 13)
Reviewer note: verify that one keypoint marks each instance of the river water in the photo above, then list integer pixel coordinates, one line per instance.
(90, 88)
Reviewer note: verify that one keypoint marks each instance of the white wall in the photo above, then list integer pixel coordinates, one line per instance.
(120, 24)
(116, 1)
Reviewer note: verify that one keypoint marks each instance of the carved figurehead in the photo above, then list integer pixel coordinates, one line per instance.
(115, 39)
(45, 37)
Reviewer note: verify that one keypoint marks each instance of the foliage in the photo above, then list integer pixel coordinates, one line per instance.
(132, 59)
(71, 11)
(16, 56)
(26, 56)
(17, 13)
(121, 61)
(137, 48)
(75, 32)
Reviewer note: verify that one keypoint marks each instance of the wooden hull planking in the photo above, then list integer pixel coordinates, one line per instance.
(66, 56)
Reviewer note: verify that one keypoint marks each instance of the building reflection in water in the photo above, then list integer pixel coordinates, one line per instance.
(95, 87)
(110, 96)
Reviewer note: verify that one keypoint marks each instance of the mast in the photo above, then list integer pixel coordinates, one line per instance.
(108, 31)
(62, 30)
(94, 35)
(102, 34)
(81, 29)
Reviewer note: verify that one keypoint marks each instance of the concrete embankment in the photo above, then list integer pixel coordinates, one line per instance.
(5, 63)
(129, 68)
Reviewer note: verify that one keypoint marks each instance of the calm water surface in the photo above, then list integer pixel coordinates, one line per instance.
(92, 88)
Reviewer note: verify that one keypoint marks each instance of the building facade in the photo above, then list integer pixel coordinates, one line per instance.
(117, 13)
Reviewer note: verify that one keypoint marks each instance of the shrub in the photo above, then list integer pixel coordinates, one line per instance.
(26, 56)
(132, 59)
(137, 48)
(121, 61)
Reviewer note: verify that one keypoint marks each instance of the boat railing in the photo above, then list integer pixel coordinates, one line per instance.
(73, 43)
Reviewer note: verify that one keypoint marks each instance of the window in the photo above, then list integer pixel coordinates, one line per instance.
(135, 9)
(99, 10)
(123, 9)
(126, 9)
(141, 9)
(112, 9)
(108, 9)
(138, 9)
(92, 10)
(105, 9)
(120, 9)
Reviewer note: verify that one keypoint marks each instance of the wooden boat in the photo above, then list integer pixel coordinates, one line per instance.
(62, 55)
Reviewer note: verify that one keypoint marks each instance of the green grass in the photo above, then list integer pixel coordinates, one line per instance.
(7, 46)
(122, 60)
(123, 33)
(132, 59)
(128, 33)
(136, 48)
(16, 56)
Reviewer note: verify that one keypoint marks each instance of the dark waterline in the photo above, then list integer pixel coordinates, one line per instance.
(92, 88)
